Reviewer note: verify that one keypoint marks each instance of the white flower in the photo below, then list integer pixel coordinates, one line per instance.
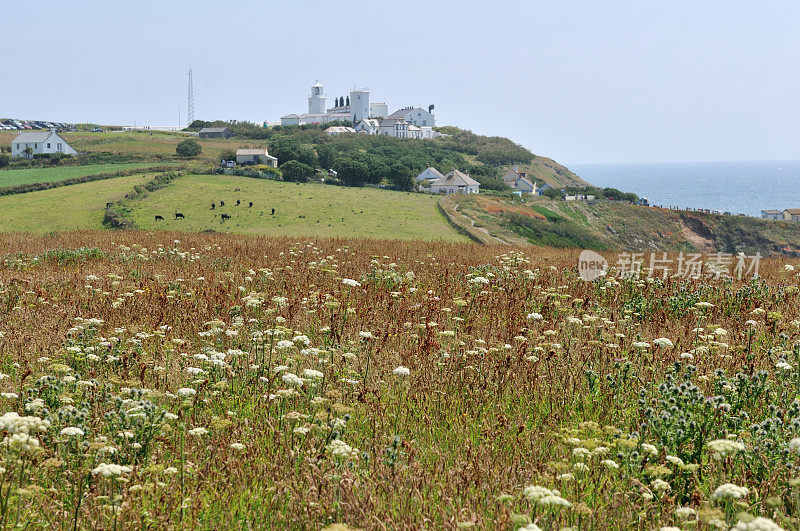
(198, 432)
(580, 453)
(729, 490)
(301, 430)
(365, 335)
(609, 464)
(649, 450)
(723, 447)
(186, 392)
(685, 512)
(783, 365)
(237, 446)
(402, 371)
(554, 500)
(341, 449)
(535, 316)
(111, 469)
(72, 432)
(292, 379)
(535, 493)
(663, 342)
(788, 267)
(311, 373)
(660, 485)
(640, 344)
(677, 461)
(479, 280)
(565, 477)
(757, 524)
(350, 282)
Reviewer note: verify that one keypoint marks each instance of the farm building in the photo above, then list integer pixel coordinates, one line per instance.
(28, 144)
(455, 182)
(791, 214)
(771, 214)
(429, 174)
(215, 132)
(519, 183)
(255, 156)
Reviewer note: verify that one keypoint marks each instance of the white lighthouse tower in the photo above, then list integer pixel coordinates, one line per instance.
(359, 105)
(316, 100)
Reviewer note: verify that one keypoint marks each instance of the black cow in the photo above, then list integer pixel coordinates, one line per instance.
(273, 212)
(159, 218)
(250, 204)
(213, 206)
(226, 216)
(178, 215)
(238, 202)
(222, 203)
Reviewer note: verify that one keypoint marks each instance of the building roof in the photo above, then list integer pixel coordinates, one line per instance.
(32, 136)
(456, 178)
(412, 127)
(391, 122)
(372, 122)
(402, 113)
(772, 211)
(291, 116)
(546, 186)
(340, 129)
(525, 182)
(213, 129)
(434, 171)
(259, 151)
(793, 211)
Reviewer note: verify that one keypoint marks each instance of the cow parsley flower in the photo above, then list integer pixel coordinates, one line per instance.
(186, 392)
(111, 469)
(350, 282)
(402, 371)
(72, 432)
(663, 342)
(731, 491)
(757, 524)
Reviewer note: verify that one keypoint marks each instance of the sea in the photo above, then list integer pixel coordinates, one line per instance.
(736, 187)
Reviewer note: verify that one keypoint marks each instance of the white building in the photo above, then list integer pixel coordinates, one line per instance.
(28, 144)
(416, 116)
(455, 182)
(369, 125)
(378, 110)
(429, 174)
(255, 156)
(359, 105)
(395, 127)
(338, 130)
(519, 183)
(316, 101)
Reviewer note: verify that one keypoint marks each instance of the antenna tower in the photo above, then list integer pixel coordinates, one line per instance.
(190, 114)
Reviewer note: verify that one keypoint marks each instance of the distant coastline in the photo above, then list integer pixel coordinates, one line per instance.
(737, 187)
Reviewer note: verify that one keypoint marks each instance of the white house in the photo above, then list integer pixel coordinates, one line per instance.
(771, 214)
(395, 127)
(415, 116)
(255, 156)
(28, 144)
(455, 182)
(338, 130)
(368, 125)
(429, 174)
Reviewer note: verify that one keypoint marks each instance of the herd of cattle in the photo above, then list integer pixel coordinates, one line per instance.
(223, 216)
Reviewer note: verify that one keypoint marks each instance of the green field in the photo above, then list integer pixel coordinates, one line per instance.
(80, 206)
(59, 173)
(300, 210)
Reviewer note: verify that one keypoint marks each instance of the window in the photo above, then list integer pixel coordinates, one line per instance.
(59, 146)
(48, 145)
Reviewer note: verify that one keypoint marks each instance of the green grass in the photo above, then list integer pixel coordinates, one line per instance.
(59, 173)
(300, 210)
(80, 206)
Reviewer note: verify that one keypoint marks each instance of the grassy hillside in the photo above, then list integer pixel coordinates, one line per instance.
(79, 206)
(618, 225)
(14, 177)
(300, 209)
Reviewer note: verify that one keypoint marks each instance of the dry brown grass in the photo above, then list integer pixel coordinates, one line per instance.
(472, 423)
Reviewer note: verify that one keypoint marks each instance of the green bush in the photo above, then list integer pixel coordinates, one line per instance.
(5, 160)
(188, 149)
(295, 171)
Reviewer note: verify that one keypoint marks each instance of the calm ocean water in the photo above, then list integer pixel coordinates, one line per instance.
(745, 187)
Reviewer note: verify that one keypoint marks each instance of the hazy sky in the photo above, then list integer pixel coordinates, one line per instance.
(579, 81)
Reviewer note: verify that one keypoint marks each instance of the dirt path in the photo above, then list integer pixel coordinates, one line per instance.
(472, 224)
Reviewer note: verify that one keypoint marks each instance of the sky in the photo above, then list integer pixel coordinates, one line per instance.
(578, 81)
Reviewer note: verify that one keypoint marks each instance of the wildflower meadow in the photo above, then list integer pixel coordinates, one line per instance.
(206, 381)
